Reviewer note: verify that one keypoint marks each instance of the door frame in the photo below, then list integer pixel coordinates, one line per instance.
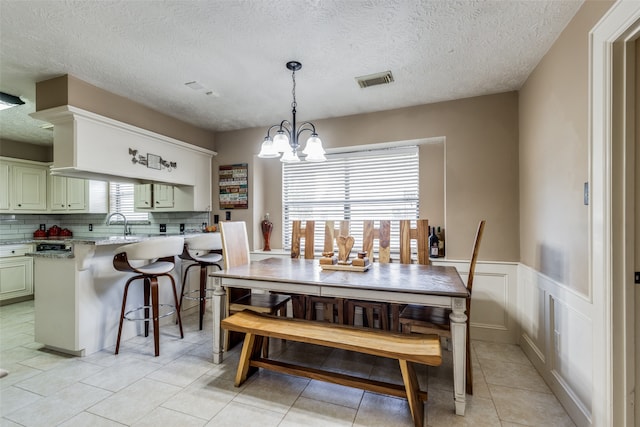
(606, 271)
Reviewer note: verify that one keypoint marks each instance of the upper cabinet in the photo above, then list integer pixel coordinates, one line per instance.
(24, 186)
(27, 187)
(76, 195)
(163, 197)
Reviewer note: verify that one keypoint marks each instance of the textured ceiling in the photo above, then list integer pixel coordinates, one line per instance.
(147, 50)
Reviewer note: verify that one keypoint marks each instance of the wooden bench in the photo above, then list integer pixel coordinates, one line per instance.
(407, 349)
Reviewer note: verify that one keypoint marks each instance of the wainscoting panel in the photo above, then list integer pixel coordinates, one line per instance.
(556, 334)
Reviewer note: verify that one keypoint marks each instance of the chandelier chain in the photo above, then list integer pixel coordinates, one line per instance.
(294, 104)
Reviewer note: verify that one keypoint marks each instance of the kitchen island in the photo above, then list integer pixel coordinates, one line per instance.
(78, 296)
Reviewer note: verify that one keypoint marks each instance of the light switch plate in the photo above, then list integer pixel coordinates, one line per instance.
(163, 228)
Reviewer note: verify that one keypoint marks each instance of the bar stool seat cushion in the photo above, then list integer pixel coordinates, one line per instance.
(209, 258)
(158, 267)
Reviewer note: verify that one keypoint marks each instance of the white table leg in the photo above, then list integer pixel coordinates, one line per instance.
(218, 314)
(459, 337)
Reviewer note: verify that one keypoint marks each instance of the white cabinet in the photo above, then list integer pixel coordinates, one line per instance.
(16, 271)
(29, 186)
(23, 186)
(76, 195)
(68, 194)
(162, 196)
(5, 184)
(154, 197)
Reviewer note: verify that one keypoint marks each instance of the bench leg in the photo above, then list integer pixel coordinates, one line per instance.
(250, 350)
(412, 388)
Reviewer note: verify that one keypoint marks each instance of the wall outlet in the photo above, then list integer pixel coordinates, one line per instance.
(637, 275)
(227, 215)
(90, 227)
(163, 228)
(43, 227)
(182, 228)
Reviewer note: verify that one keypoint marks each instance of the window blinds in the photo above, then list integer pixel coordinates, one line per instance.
(376, 184)
(121, 199)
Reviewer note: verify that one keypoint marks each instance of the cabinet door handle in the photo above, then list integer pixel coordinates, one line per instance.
(19, 205)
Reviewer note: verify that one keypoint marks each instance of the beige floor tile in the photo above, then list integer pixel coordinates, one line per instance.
(182, 371)
(530, 408)
(135, 401)
(333, 393)
(59, 407)
(272, 391)
(382, 411)
(168, 418)
(85, 419)
(237, 414)
(14, 398)
(204, 398)
(117, 377)
(479, 412)
(8, 423)
(502, 352)
(311, 413)
(17, 373)
(517, 375)
(58, 378)
(46, 359)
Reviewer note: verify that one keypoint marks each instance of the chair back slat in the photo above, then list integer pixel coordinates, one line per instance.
(474, 255)
(235, 243)
(306, 233)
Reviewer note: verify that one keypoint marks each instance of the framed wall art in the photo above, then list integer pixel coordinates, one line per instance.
(233, 186)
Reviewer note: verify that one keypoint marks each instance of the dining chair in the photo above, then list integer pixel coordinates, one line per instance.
(431, 320)
(149, 260)
(301, 232)
(200, 251)
(380, 312)
(332, 309)
(235, 250)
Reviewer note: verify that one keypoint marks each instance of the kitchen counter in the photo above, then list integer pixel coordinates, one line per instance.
(94, 240)
(78, 294)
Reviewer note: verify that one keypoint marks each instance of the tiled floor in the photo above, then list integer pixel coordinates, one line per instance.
(183, 388)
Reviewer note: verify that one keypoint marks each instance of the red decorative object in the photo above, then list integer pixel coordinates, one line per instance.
(267, 227)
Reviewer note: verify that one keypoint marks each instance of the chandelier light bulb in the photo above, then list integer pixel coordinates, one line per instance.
(267, 150)
(281, 142)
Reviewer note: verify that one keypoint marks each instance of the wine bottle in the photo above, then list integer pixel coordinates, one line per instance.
(440, 234)
(433, 244)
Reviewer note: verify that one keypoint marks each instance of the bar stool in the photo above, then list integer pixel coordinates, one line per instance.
(200, 251)
(150, 259)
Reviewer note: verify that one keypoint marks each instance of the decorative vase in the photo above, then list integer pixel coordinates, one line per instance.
(267, 227)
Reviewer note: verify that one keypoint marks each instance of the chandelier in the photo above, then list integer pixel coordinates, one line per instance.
(286, 139)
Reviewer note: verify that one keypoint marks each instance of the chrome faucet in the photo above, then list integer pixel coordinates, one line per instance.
(123, 217)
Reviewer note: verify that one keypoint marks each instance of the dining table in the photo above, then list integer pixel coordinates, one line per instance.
(429, 285)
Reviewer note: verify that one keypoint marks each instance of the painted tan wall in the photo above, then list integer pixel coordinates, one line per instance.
(70, 90)
(23, 150)
(553, 111)
(480, 170)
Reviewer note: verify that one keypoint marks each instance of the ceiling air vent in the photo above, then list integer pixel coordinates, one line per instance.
(375, 79)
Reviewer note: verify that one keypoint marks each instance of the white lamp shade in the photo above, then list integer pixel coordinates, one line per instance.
(281, 142)
(290, 156)
(314, 146)
(314, 150)
(267, 150)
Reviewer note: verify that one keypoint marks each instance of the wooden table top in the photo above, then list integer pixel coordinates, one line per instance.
(392, 277)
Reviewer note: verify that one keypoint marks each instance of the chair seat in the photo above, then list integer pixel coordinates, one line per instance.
(158, 267)
(262, 303)
(434, 318)
(209, 258)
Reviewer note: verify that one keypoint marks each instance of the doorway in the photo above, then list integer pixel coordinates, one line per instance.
(613, 214)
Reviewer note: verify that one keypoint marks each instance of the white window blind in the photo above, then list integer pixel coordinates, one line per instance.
(376, 184)
(121, 199)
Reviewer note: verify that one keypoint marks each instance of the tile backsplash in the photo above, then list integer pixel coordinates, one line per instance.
(22, 226)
